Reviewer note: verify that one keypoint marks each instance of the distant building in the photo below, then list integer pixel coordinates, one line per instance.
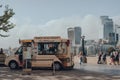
(114, 38)
(109, 33)
(74, 34)
(107, 27)
(71, 35)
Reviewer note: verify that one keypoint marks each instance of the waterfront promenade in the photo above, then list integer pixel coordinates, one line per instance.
(92, 65)
(91, 59)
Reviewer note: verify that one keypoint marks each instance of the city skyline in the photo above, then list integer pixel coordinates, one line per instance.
(74, 35)
(45, 17)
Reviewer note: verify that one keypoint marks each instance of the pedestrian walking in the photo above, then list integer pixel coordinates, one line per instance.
(116, 59)
(99, 58)
(104, 58)
(81, 57)
(112, 58)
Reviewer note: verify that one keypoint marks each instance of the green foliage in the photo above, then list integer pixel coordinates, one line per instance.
(5, 24)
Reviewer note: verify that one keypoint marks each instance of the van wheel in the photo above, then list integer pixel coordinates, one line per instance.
(13, 65)
(57, 66)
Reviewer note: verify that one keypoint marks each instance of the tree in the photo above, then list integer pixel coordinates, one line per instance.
(5, 24)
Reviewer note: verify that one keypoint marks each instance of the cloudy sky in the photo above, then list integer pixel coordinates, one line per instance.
(53, 17)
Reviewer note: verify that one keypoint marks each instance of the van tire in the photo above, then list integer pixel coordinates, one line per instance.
(57, 66)
(13, 65)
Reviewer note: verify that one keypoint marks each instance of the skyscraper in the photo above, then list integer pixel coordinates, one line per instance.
(107, 27)
(74, 34)
(114, 38)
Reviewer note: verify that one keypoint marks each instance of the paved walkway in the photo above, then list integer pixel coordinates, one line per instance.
(75, 74)
(100, 68)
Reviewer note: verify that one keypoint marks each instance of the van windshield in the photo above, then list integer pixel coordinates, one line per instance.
(19, 51)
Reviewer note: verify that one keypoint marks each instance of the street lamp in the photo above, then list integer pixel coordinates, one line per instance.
(83, 50)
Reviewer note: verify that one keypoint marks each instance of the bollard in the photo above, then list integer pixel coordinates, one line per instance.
(53, 68)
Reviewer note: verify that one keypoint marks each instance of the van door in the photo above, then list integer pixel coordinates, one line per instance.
(19, 52)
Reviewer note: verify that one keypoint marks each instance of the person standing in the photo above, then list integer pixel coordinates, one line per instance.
(9, 51)
(116, 58)
(27, 52)
(99, 58)
(104, 58)
(1, 51)
(81, 57)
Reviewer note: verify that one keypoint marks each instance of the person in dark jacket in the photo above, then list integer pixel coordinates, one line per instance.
(1, 51)
(99, 58)
(104, 58)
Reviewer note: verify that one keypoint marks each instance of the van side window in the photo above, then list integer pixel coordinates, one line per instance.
(47, 48)
(19, 51)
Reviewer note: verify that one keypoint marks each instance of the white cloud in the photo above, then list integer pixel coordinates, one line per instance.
(59, 27)
(91, 26)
